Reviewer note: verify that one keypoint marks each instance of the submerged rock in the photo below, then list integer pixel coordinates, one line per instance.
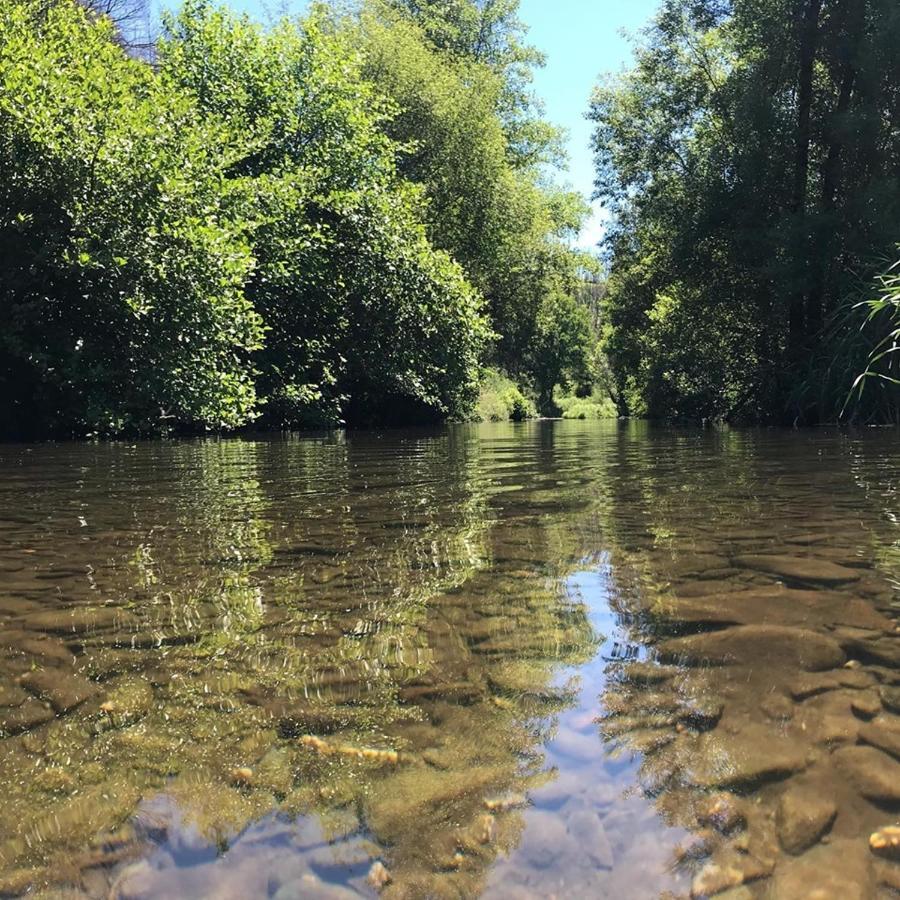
(866, 704)
(714, 878)
(378, 876)
(883, 733)
(28, 715)
(886, 842)
(63, 690)
(811, 684)
(873, 773)
(757, 645)
(807, 570)
(78, 619)
(890, 697)
(756, 754)
(777, 707)
(11, 695)
(723, 811)
(836, 871)
(804, 815)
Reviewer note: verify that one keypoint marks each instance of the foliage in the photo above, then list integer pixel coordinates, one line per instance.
(121, 302)
(561, 348)
(500, 399)
(225, 235)
(488, 203)
(336, 219)
(753, 171)
(594, 406)
(882, 374)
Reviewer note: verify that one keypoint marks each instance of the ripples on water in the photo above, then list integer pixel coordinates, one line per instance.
(556, 659)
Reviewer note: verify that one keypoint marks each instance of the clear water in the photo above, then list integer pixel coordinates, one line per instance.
(554, 659)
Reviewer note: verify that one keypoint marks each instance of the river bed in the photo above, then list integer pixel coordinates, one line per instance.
(555, 659)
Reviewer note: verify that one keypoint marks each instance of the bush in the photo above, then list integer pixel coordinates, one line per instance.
(594, 406)
(501, 400)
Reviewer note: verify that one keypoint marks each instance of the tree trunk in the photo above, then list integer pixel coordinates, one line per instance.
(815, 306)
(808, 39)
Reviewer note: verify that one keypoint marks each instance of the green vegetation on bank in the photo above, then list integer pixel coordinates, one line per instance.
(336, 219)
(751, 161)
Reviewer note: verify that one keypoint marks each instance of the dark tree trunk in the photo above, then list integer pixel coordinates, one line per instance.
(808, 40)
(815, 305)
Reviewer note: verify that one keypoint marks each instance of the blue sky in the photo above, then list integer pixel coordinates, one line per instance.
(582, 40)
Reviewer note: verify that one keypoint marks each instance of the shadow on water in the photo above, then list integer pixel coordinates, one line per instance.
(572, 659)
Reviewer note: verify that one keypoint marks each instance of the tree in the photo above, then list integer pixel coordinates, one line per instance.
(752, 162)
(122, 303)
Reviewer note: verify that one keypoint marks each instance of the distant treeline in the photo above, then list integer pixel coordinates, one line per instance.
(339, 218)
(751, 160)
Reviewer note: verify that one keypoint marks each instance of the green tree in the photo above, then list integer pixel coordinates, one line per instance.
(752, 163)
(121, 301)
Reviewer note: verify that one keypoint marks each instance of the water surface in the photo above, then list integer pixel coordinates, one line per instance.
(553, 659)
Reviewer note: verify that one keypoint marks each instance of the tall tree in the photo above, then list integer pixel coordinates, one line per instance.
(752, 162)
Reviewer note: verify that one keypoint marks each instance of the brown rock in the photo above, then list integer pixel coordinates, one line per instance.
(30, 714)
(777, 706)
(866, 704)
(804, 814)
(714, 878)
(873, 773)
(758, 753)
(883, 733)
(723, 811)
(77, 619)
(63, 690)
(886, 842)
(890, 697)
(811, 684)
(759, 645)
(835, 871)
(803, 569)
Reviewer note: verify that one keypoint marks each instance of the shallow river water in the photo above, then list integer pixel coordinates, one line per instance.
(559, 659)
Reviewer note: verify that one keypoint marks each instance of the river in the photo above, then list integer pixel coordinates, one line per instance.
(555, 659)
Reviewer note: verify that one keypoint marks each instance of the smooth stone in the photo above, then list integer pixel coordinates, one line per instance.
(807, 570)
(757, 645)
(12, 695)
(865, 704)
(648, 672)
(883, 733)
(809, 685)
(29, 715)
(587, 829)
(63, 690)
(888, 874)
(758, 753)
(890, 697)
(78, 619)
(804, 815)
(873, 773)
(883, 651)
(835, 871)
(723, 811)
(46, 649)
(776, 604)
(777, 707)
(886, 842)
(715, 878)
